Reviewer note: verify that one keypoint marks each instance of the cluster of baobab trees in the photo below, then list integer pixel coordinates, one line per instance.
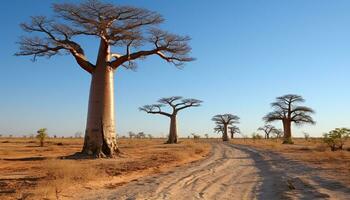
(126, 34)
(286, 109)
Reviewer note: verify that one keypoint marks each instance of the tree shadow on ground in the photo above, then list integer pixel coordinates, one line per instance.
(282, 178)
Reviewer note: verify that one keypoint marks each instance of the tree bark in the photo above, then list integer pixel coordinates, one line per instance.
(100, 133)
(224, 134)
(287, 136)
(172, 131)
(232, 135)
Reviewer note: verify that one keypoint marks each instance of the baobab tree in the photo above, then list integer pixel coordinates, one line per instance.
(278, 133)
(287, 110)
(223, 121)
(234, 130)
(126, 34)
(176, 104)
(268, 130)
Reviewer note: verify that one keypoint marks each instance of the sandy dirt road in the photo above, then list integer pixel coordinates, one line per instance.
(231, 172)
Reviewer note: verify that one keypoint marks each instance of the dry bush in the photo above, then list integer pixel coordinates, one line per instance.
(63, 173)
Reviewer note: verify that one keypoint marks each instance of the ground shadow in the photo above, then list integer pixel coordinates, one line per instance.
(280, 177)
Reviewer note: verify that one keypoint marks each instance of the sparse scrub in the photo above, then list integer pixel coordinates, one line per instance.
(195, 136)
(257, 136)
(336, 138)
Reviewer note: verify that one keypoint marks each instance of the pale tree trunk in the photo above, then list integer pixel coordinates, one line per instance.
(172, 131)
(287, 136)
(224, 134)
(100, 134)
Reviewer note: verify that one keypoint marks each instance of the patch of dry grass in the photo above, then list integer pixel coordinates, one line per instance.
(32, 172)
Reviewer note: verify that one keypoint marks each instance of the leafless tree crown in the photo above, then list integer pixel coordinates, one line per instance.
(286, 108)
(267, 128)
(177, 103)
(126, 28)
(234, 129)
(227, 119)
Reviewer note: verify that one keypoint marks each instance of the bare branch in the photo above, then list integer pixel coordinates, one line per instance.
(171, 101)
(154, 109)
(57, 40)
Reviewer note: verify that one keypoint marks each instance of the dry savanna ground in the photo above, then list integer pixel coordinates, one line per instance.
(28, 171)
(312, 152)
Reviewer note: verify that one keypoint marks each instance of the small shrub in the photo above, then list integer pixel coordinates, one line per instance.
(306, 136)
(42, 135)
(256, 136)
(336, 138)
(195, 136)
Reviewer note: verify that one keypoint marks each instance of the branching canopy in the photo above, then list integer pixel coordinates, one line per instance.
(177, 103)
(124, 27)
(286, 108)
(226, 119)
(268, 129)
(234, 129)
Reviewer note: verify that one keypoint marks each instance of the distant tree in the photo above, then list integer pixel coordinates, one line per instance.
(42, 135)
(336, 138)
(150, 136)
(234, 130)
(195, 136)
(131, 134)
(10, 135)
(206, 135)
(54, 136)
(268, 130)
(287, 110)
(306, 136)
(278, 133)
(78, 134)
(0, 135)
(176, 104)
(222, 122)
(126, 34)
(141, 135)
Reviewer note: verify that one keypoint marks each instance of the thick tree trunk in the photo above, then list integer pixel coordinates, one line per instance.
(172, 131)
(287, 136)
(100, 133)
(232, 134)
(224, 134)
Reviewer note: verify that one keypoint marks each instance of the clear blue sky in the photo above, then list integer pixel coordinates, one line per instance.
(248, 52)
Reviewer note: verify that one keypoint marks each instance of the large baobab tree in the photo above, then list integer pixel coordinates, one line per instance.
(176, 103)
(287, 110)
(268, 130)
(125, 34)
(223, 122)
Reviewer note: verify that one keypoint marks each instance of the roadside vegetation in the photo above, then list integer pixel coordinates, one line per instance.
(29, 171)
